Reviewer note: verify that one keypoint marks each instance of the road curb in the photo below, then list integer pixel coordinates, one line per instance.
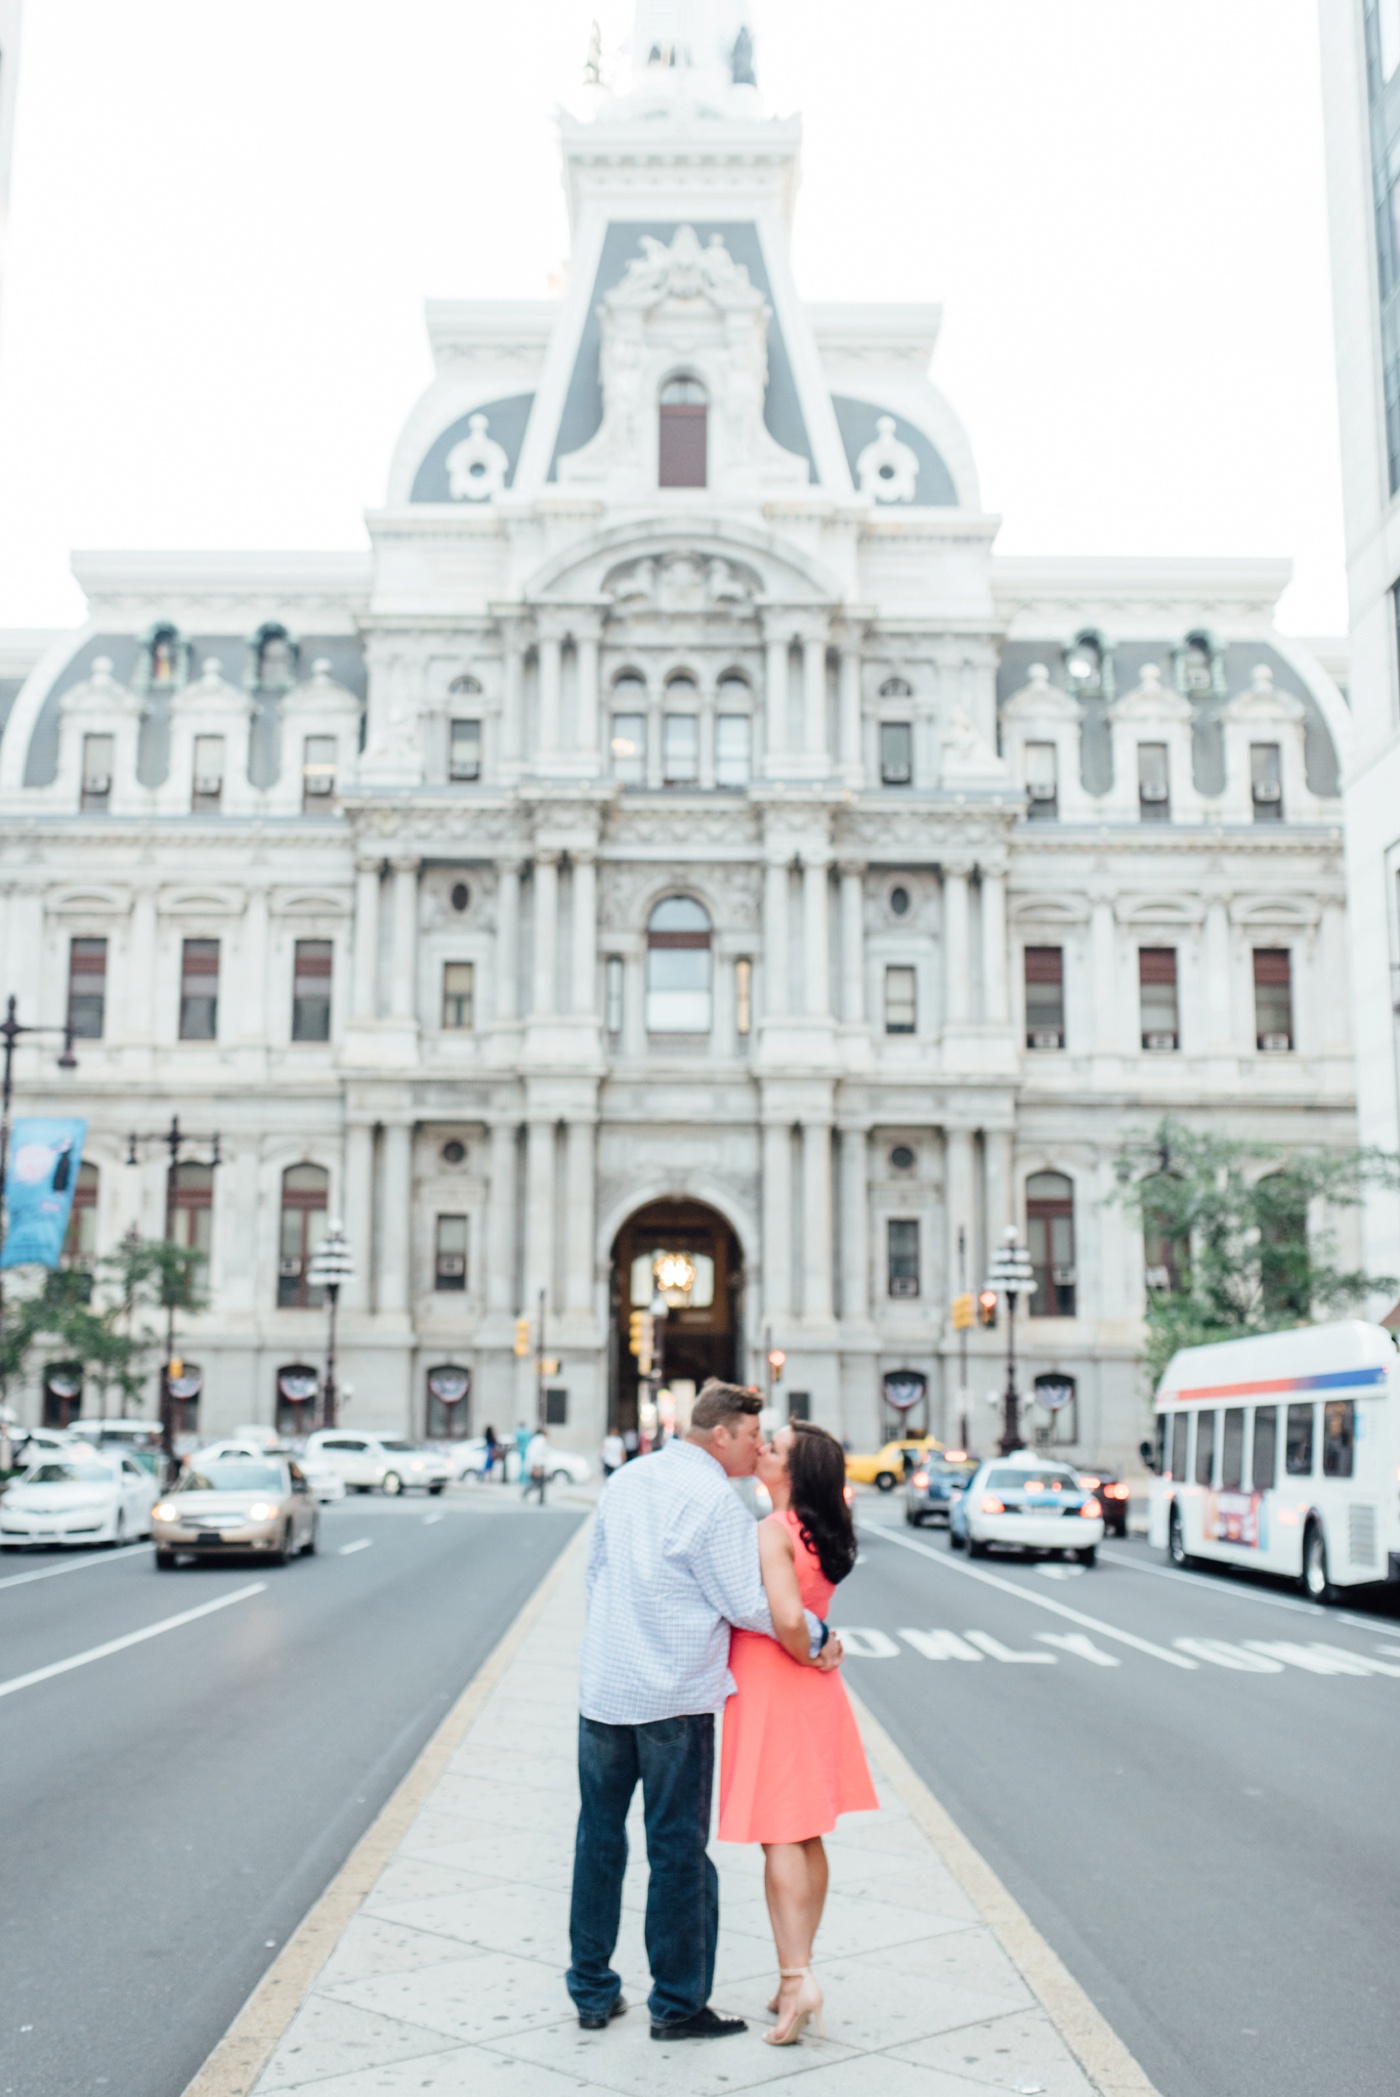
(1090, 2038)
(238, 2060)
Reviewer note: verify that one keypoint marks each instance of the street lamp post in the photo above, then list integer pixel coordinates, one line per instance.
(331, 1266)
(1011, 1274)
(174, 1138)
(10, 1033)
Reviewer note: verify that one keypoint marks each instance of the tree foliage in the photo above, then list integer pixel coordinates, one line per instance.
(105, 1323)
(1242, 1251)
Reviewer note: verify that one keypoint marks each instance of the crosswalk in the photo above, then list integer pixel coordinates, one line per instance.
(1246, 1656)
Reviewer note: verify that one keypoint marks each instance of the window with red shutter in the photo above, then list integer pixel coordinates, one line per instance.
(1045, 997)
(1157, 998)
(1273, 999)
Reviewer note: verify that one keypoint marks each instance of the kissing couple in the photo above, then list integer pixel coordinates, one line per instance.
(693, 1608)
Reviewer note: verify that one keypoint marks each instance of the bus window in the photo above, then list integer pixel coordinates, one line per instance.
(1232, 1450)
(1205, 1447)
(1160, 1456)
(1298, 1459)
(1265, 1447)
(1338, 1437)
(1179, 1427)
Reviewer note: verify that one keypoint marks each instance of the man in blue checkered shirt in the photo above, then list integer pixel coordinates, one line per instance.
(674, 1564)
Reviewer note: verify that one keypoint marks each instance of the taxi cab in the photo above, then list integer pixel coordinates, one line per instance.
(888, 1465)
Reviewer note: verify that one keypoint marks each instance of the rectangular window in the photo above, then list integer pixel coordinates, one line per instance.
(458, 990)
(1045, 997)
(464, 750)
(1265, 1447)
(743, 997)
(1042, 782)
(903, 1244)
(207, 775)
(1232, 1450)
(901, 1001)
(1205, 1447)
(1338, 1437)
(450, 1253)
(99, 753)
(1273, 998)
(199, 990)
(896, 753)
(1266, 782)
(733, 749)
(680, 749)
(1298, 1447)
(318, 771)
(1050, 1242)
(612, 994)
(1178, 1459)
(87, 987)
(1154, 785)
(1157, 997)
(556, 1407)
(629, 749)
(311, 990)
(681, 444)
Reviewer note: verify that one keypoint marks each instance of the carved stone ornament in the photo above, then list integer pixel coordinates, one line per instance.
(888, 470)
(680, 582)
(968, 759)
(477, 467)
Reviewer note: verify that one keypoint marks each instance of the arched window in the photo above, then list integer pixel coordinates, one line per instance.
(191, 1219)
(683, 443)
(896, 688)
(733, 730)
(679, 965)
(1089, 666)
(166, 658)
(464, 729)
(1050, 1232)
(1166, 1252)
(628, 740)
(274, 658)
(305, 1194)
(680, 731)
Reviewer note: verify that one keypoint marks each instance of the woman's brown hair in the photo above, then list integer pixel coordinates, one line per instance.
(817, 1473)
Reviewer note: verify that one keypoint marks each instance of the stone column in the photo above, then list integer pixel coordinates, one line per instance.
(816, 1219)
(366, 985)
(995, 999)
(500, 1220)
(775, 938)
(586, 652)
(253, 968)
(814, 694)
(849, 712)
(777, 1220)
(855, 1227)
(579, 1219)
(358, 1208)
(539, 1213)
(959, 1210)
(585, 928)
(1000, 1204)
(816, 963)
(507, 938)
(1108, 1030)
(956, 952)
(1219, 1023)
(546, 930)
(775, 700)
(395, 1216)
(852, 943)
(550, 649)
(141, 964)
(404, 983)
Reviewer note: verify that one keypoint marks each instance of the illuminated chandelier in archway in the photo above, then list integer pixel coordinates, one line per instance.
(674, 1273)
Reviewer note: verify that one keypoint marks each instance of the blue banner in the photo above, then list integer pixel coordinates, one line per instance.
(43, 1172)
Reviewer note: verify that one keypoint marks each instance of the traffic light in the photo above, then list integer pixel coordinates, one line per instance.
(522, 1337)
(963, 1315)
(987, 1307)
(641, 1339)
(174, 1369)
(777, 1362)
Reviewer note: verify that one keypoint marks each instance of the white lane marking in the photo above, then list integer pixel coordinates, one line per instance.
(132, 1638)
(1245, 1589)
(940, 1645)
(1024, 1594)
(1220, 1652)
(864, 1644)
(1319, 1659)
(1061, 1572)
(428, 1520)
(998, 1651)
(1081, 1645)
(78, 1565)
(361, 1543)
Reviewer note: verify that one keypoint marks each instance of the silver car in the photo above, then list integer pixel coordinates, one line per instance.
(236, 1504)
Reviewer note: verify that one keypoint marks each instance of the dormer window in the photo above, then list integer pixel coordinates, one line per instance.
(274, 656)
(1266, 782)
(1042, 782)
(1089, 667)
(1154, 783)
(98, 751)
(1200, 671)
(207, 782)
(164, 658)
(683, 441)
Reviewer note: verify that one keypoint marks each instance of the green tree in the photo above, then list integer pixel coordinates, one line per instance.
(1227, 1224)
(105, 1322)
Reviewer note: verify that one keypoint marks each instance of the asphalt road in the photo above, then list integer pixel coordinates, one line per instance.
(1213, 1849)
(172, 1808)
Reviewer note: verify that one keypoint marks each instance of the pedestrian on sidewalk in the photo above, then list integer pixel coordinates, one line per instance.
(489, 1456)
(613, 1453)
(674, 1564)
(538, 1457)
(792, 1759)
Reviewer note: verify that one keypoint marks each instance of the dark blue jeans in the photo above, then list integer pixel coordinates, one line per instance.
(674, 1759)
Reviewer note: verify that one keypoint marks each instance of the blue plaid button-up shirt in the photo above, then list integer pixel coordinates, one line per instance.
(674, 1563)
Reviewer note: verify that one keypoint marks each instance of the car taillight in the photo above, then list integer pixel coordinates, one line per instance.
(921, 1479)
(1115, 1492)
(1088, 1481)
(1091, 1508)
(991, 1504)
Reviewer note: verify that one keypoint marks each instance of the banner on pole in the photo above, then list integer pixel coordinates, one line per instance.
(44, 1159)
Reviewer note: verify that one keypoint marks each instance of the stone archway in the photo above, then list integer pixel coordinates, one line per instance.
(702, 1339)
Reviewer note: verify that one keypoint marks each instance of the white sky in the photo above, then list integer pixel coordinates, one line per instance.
(226, 215)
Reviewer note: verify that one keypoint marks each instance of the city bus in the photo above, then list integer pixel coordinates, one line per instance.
(1282, 1452)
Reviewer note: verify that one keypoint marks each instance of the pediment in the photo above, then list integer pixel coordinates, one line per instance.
(692, 566)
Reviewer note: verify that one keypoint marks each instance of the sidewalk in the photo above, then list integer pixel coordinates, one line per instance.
(447, 1952)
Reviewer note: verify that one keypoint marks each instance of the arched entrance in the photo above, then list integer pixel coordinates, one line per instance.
(701, 1337)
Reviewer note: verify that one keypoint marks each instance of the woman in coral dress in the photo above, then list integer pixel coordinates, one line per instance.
(791, 1759)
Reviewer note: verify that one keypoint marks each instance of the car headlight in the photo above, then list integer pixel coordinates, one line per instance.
(165, 1511)
(263, 1511)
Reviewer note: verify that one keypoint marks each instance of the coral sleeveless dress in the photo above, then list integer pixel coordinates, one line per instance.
(791, 1758)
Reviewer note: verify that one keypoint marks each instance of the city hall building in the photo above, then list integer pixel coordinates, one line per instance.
(677, 831)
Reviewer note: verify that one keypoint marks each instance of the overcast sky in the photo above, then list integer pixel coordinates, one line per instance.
(226, 215)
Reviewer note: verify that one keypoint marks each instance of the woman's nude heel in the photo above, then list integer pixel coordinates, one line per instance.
(808, 2004)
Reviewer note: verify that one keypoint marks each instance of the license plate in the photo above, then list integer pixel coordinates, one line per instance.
(209, 1536)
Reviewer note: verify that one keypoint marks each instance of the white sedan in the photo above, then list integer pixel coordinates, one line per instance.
(366, 1460)
(78, 1499)
(468, 1460)
(324, 1480)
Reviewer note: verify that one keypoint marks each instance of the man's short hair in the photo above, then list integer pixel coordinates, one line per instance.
(721, 1404)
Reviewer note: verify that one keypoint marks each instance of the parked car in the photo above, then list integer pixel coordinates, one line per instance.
(389, 1462)
(78, 1497)
(1114, 1494)
(325, 1481)
(932, 1484)
(892, 1463)
(236, 1504)
(1022, 1503)
(30, 1445)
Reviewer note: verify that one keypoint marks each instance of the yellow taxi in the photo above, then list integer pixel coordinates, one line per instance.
(886, 1467)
